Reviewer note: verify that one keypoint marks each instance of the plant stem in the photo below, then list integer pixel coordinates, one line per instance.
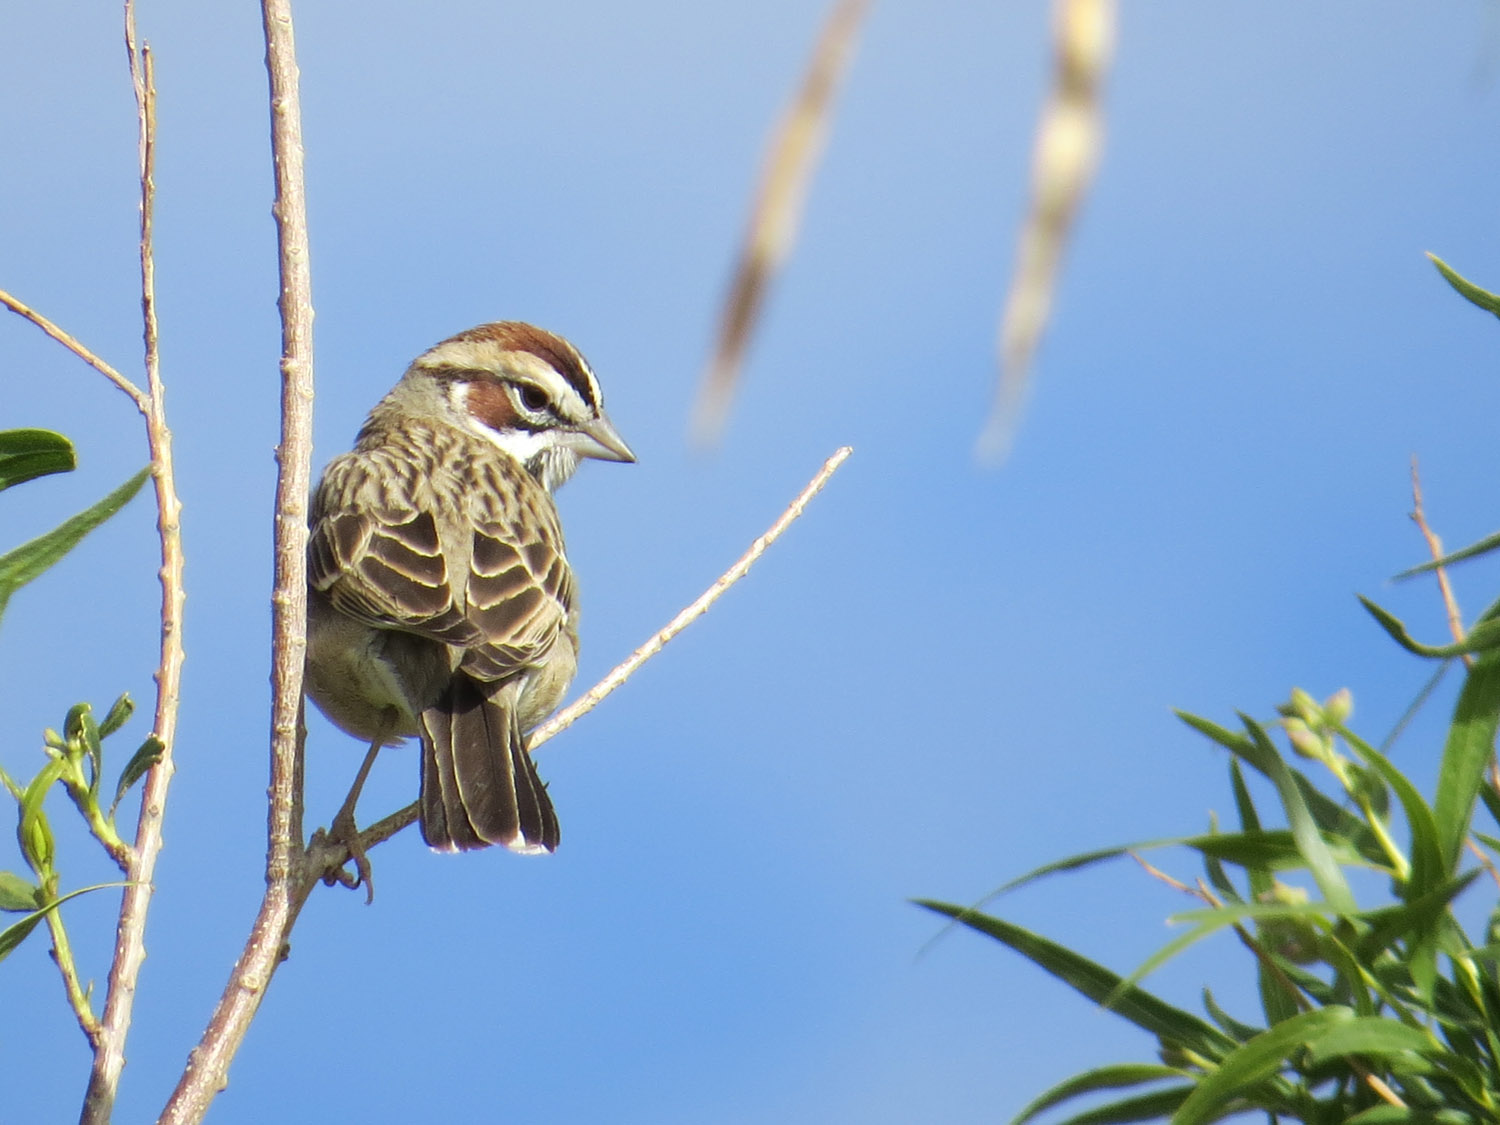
(78, 997)
(287, 885)
(130, 940)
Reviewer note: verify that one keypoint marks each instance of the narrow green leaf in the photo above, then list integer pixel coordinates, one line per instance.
(118, 715)
(1371, 1036)
(34, 833)
(1254, 1062)
(1320, 862)
(1426, 850)
(1410, 921)
(1396, 1115)
(1243, 803)
(81, 728)
(28, 454)
(1484, 636)
(1219, 879)
(1140, 1007)
(1275, 1000)
(14, 935)
(148, 755)
(1230, 1025)
(1473, 550)
(27, 561)
(1206, 928)
(1119, 1076)
(1471, 740)
(16, 893)
(1276, 850)
(1492, 804)
(1470, 292)
(1237, 744)
(1146, 1107)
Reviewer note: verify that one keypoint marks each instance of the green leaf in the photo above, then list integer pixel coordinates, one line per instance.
(1146, 1107)
(1395, 1115)
(1276, 850)
(1470, 292)
(148, 755)
(34, 833)
(118, 715)
(1254, 1062)
(1140, 1007)
(1483, 636)
(1236, 744)
(1471, 740)
(1473, 550)
(16, 893)
(1258, 753)
(1243, 804)
(1320, 862)
(29, 560)
(1075, 863)
(1426, 849)
(1275, 1001)
(14, 935)
(80, 728)
(1232, 1026)
(1414, 921)
(1371, 1036)
(28, 454)
(1119, 1076)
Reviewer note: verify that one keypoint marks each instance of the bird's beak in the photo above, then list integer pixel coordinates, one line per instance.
(599, 440)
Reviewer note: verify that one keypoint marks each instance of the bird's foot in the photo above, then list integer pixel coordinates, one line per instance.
(345, 832)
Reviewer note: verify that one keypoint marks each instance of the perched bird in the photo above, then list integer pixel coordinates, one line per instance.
(440, 601)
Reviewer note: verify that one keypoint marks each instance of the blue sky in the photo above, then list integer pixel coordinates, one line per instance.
(941, 677)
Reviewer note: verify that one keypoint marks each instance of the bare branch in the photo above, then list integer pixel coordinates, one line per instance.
(130, 946)
(208, 1065)
(787, 173)
(1068, 142)
(1435, 545)
(591, 699)
(334, 855)
(24, 311)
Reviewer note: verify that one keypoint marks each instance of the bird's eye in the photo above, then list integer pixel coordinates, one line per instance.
(533, 398)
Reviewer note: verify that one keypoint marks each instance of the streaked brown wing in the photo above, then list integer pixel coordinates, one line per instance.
(520, 589)
(379, 559)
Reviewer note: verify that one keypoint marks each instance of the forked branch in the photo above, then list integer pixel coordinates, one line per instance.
(208, 1064)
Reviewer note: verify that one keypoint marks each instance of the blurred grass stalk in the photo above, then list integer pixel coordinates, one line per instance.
(1069, 139)
(793, 155)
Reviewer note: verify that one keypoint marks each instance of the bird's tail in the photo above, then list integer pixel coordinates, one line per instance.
(479, 785)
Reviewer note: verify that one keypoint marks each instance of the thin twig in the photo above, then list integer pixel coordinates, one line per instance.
(334, 856)
(1068, 142)
(1176, 884)
(1435, 545)
(590, 699)
(78, 997)
(130, 946)
(774, 217)
(1484, 860)
(208, 1065)
(68, 341)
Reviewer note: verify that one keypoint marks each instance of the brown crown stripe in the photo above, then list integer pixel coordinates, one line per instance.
(513, 335)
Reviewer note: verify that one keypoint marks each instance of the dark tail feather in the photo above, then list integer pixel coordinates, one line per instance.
(479, 785)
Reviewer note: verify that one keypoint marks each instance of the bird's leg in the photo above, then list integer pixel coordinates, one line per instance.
(345, 830)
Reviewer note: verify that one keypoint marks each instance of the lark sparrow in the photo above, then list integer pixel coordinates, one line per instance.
(440, 601)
